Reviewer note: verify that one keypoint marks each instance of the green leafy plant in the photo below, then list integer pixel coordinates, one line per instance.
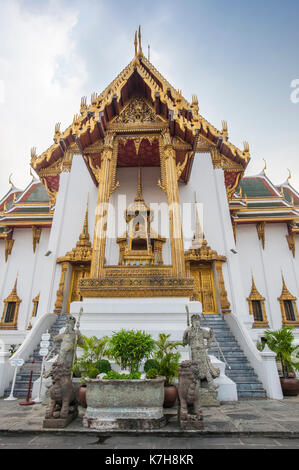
(151, 364)
(167, 357)
(281, 342)
(152, 374)
(103, 366)
(112, 375)
(129, 347)
(93, 350)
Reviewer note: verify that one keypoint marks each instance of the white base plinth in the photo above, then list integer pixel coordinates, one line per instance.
(158, 315)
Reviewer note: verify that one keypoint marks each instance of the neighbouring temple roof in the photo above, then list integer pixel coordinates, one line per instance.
(257, 199)
(27, 208)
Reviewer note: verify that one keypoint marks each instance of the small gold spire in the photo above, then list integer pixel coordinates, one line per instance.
(84, 236)
(139, 195)
(10, 180)
(135, 43)
(290, 176)
(139, 40)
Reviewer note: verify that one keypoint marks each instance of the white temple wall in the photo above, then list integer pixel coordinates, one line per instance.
(75, 189)
(249, 250)
(3, 265)
(124, 196)
(267, 266)
(216, 223)
(27, 265)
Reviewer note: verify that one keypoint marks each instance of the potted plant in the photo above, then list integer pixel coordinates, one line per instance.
(90, 363)
(281, 342)
(122, 399)
(168, 358)
(129, 347)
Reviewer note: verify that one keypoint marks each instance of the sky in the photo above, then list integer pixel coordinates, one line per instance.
(240, 58)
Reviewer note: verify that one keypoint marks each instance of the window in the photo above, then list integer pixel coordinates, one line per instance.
(288, 307)
(289, 310)
(10, 312)
(257, 310)
(257, 307)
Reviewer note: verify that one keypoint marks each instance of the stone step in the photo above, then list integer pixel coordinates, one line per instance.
(252, 394)
(23, 376)
(248, 384)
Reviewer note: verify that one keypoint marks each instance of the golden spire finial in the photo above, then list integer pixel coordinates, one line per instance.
(265, 166)
(10, 180)
(290, 175)
(139, 40)
(135, 43)
(14, 290)
(139, 195)
(84, 236)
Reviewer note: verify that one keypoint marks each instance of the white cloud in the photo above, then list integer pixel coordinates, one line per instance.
(43, 78)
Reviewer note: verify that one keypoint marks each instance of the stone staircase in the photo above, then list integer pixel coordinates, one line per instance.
(248, 384)
(23, 376)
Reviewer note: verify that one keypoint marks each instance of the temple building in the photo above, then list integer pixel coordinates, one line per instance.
(142, 208)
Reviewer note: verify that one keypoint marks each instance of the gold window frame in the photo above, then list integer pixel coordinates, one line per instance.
(13, 297)
(256, 296)
(286, 295)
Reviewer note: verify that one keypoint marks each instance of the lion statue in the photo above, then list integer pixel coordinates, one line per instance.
(190, 415)
(63, 399)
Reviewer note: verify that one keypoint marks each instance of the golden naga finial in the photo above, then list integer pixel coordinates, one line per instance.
(224, 131)
(265, 166)
(10, 180)
(94, 99)
(194, 103)
(83, 104)
(246, 151)
(76, 120)
(290, 176)
(240, 192)
(57, 131)
(31, 174)
(33, 153)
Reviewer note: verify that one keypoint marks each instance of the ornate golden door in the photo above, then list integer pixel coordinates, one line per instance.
(205, 287)
(78, 272)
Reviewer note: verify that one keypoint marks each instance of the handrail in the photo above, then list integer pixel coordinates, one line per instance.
(219, 348)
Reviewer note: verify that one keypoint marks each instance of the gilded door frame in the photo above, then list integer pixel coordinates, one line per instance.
(76, 269)
(200, 267)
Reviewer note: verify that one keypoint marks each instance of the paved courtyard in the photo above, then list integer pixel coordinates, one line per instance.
(265, 424)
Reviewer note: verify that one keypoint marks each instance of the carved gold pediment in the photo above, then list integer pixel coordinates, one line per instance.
(137, 111)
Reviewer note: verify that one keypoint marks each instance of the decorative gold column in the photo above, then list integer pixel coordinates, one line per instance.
(61, 288)
(169, 184)
(105, 177)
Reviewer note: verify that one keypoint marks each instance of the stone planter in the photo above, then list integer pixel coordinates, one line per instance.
(124, 404)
